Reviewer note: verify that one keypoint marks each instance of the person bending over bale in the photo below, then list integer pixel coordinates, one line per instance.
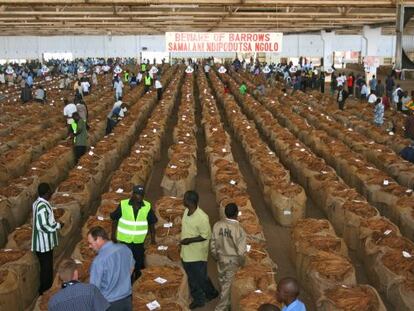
(287, 293)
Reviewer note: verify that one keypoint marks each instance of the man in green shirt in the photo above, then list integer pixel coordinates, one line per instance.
(80, 136)
(243, 88)
(195, 236)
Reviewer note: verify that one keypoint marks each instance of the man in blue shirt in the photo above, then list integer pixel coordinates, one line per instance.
(111, 269)
(74, 295)
(287, 293)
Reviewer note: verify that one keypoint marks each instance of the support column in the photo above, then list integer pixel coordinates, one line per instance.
(399, 34)
(372, 37)
(327, 39)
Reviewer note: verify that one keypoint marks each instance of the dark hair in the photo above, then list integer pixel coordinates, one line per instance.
(43, 189)
(231, 210)
(98, 231)
(268, 307)
(191, 198)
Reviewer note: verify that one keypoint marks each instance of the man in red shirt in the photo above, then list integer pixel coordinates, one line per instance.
(350, 84)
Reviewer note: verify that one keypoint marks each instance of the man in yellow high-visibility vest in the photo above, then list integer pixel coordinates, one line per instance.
(132, 220)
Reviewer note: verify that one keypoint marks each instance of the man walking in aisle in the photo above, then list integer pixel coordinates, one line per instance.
(131, 221)
(228, 247)
(147, 82)
(111, 269)
(195, 236)
(341, 98)
(44, 235)
(80, 136)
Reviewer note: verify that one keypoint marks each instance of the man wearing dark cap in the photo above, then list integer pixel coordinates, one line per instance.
(228, 247)
(287, 293)
(132, 220)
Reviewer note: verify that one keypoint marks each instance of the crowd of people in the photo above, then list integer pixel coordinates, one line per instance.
(120, 258)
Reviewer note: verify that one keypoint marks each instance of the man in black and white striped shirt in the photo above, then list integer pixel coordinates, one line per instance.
(44, 235)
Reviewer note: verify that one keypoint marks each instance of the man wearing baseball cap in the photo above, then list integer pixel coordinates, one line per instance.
(132, 220)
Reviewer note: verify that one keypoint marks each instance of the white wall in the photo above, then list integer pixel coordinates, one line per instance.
(131, 46)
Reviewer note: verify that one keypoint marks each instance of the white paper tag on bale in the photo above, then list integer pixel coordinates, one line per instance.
(224, 150)
(153, 305)
(409, 190)
(160, 280)
(181, 142)
(248, 247)
(7, 250)
(370, 168)
(187, 134)
(386, 182)
(154, 130)
(233, 182)
(119, 190)
(65, 195)
(100, 218)
(248, 127)
(406, 254)
(357, 160)
(34, 168)
(79, 167)
(173, 166)
(162, 248)
(258, 291)
(387, 232)
(90, 153)
(302, 149)
(371, 142)
(239, 213)
(324, 172)
(286, 212)
(168, 225)
(214, 129)
(78, 262)
(391, 133)
(234, 111)
(137, 151)
(297, 144)
(92, 148)
(271, 153)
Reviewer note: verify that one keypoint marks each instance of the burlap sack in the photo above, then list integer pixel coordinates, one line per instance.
(342, 298)
(179, 178)
(10, 292)
(26, 267)
(326, 270)
(15, 162)
(162, 254)
(141, 304)
(402, 294)
(288, 203)
(404, 217)
(250, 278)
(252, 301)
(169, 209)
(175, 287)
(42, 302)
(84, 256)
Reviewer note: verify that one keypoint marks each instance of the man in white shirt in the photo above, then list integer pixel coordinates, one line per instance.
(158, 87)
(206, 69)
(85, 85)
(68, 110)
(372, 98)
(118, 86)
(340, 80)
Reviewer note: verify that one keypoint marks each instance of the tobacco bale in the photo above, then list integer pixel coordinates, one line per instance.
(94, 221)
(175, 288)
(155, 256)
(10, 292)
(326, 270)
(344, 298)
(250, 278)
(169, 209)
(252, 301)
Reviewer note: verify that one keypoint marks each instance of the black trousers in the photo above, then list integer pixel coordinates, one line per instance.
(146, 88)
(201, 288)
(79, 151)
(138, 251)
(159, 94)
(46, 270)
(124, 304)
(341, 105)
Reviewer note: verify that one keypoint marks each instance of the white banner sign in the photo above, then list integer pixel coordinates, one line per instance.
(210, 42)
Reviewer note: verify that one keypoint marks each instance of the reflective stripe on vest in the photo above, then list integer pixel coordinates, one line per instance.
(74, 126)
(131, 230)
(147, 80)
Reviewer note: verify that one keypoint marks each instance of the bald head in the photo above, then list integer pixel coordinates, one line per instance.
(268, 307)
(287, 290)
